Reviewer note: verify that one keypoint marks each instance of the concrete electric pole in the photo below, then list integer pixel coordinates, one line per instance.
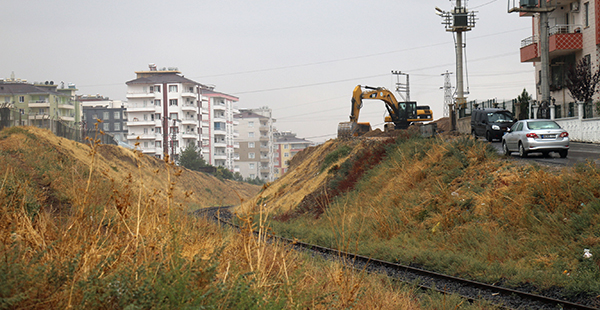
(458, 20)
(542, 8)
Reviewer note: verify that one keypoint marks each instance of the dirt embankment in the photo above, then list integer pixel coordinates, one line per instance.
(58, 170)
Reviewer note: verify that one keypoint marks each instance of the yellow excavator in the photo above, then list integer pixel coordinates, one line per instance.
(401, 114)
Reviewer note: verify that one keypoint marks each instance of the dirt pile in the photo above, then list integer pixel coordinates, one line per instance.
(59, 171)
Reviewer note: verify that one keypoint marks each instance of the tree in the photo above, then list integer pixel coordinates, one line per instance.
(191, 158)
(523, 104)
(582, 82)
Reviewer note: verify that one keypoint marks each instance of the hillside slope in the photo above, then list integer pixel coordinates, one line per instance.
(450, 204)
(57, 171)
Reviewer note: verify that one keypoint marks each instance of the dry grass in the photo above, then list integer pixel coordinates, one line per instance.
(81, 232)
(453, 206)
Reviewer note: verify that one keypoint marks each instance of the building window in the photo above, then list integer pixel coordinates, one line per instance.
(117, 126)
(21, 99)
(157, 130)
(145, 131)
(286, 154)
(117, 115)
(251, 155)
(251, 145)
(105, 115)
(157, 102)
(157, 88)
(173, 116)
(251, 135)
(145, 144)
(106, 126)
(285, 146)
(172, 88)
(586, 11)
(219, 126)
(172, 102)
(252, 176)
(250, 124)
(157, 144)
(174, 130)
(251, 166)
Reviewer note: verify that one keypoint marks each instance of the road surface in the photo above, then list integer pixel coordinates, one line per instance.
(578, 153)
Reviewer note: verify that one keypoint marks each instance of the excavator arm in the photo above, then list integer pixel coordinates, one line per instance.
(397, 111)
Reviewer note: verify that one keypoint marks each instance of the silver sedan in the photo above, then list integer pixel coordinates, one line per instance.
(536, 135)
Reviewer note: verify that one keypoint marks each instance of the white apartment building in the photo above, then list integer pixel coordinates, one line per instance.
(163, 111)
(255, 157)
(218, 132)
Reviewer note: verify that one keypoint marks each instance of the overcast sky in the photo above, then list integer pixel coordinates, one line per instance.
(300, 58)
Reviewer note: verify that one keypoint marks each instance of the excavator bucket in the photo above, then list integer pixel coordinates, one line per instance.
(352, 129)
(345, 129)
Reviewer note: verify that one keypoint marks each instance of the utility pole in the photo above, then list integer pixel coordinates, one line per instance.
(447, 93)
(401, 88)
(459, 20)
(541, 7)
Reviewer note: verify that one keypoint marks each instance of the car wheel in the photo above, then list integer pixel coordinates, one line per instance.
(488, 136)
(522, 151)
(505, 149)
(563, 153)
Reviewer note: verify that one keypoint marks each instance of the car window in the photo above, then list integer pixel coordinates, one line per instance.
(542, 125)
(517, 126)
(502, 116)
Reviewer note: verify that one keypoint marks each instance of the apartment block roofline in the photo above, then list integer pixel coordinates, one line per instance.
(208, 91)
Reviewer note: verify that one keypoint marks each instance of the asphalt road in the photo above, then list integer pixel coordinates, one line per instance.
(578, 153)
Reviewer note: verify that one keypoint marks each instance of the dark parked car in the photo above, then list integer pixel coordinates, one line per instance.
(536, 135)
(491, 123)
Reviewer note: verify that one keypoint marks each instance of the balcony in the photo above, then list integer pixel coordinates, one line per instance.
(136, 122)
(140, 107)
(219, 107)
(67, 118)
(563, 40)
(188, 94)
(33, 116)
(189, 107)
(189, 135)
(220, 156)
(189, 121)
(39, 104)
(145, 136)
(67, 106)
(140, 95)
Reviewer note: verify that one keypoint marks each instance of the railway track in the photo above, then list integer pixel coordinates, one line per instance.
(468, 289)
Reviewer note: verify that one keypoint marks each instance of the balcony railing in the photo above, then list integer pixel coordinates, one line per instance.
(562, 29)
(528, 41)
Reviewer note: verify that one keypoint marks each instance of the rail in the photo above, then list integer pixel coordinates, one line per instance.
(468, 289)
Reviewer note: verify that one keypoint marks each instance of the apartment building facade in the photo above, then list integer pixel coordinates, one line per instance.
(286, 146)
(37, 104)
(254, 158)
(574, 33)
(112, 113)
(218, 133)
(163, 112)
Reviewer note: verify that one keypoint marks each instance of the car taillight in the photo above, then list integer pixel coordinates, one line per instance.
(564, 135)
(532, 135)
